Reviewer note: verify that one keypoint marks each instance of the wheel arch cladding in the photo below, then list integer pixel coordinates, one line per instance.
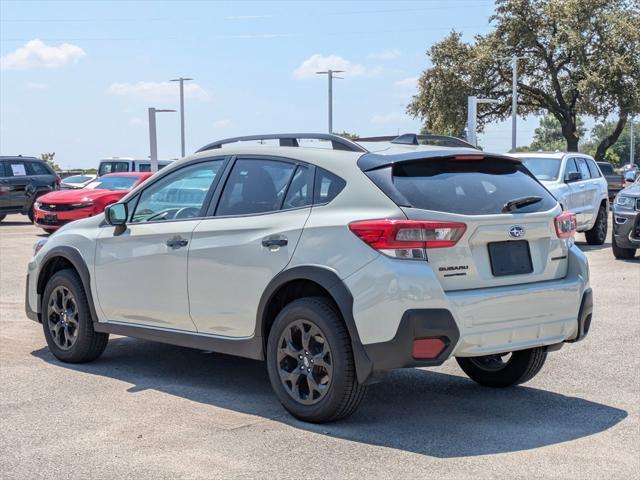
(61, 258)
(311, 280)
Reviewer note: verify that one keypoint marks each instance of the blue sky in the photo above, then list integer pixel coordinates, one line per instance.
(77, 77)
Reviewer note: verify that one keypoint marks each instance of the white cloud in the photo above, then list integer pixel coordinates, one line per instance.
(388, 54)
(159, 90)
(224, 123)
(409, 82)
(36, 54)
(318, 63)
(394, 117)
(36, 86)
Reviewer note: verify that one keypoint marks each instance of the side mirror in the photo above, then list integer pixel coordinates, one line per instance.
(116, 214)
(572, 177)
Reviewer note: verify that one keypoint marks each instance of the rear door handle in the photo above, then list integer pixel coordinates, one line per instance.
(275, 241)
(177, 242)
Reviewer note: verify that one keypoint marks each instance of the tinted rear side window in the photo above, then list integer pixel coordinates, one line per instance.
(38, 168)
(327, 186)
(468, 187)
(2, 173)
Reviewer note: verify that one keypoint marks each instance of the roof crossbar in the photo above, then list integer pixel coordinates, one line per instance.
(290, 140)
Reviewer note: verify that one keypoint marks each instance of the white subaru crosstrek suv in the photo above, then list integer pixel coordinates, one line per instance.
(333, 265)
(577, 183)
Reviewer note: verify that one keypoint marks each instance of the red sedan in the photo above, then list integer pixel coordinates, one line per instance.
(53, 210)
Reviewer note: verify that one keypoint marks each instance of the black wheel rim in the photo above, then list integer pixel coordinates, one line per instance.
(492, 363)
(62, 317)
(305, 362)
(602, 225)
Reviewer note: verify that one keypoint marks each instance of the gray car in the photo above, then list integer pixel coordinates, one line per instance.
(626, 222)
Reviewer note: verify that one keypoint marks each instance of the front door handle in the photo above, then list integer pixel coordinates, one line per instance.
(177, 242)
(275, 241)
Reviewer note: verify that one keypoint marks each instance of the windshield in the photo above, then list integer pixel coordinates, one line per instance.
(77, 179)
(113, 183)
(543, 168)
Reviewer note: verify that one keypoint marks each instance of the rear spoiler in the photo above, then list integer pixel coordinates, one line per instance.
(421, 139)
(374, 161)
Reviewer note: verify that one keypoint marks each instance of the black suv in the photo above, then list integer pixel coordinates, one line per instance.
(22, 180)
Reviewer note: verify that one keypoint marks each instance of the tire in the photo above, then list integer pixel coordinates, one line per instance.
(2, 217)
(67, 321)
(598, 234)
(31, 215)
(328, 391)
(494, 371)
(620, 252)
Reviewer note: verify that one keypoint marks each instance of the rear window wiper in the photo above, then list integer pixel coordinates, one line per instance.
(512, 205)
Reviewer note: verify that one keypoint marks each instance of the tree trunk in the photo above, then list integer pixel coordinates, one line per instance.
(569, 130)
(612, 138)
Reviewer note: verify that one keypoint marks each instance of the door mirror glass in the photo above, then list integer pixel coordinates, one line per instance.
(116, 214)
(572, 177)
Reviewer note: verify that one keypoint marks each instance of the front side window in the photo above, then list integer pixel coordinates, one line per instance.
(2, 172)
(178, 196)
(255, 186)
(570, 168)
(583, 168)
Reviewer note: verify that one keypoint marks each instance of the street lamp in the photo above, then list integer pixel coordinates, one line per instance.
(153, 138)
(472, 117)
(181, 80)
(330, 76)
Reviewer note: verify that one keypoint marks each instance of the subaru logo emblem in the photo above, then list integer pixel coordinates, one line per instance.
(516, 231)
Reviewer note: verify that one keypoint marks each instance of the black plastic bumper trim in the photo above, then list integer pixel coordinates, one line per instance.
(31, 315)
(417, 323)
(584, 316)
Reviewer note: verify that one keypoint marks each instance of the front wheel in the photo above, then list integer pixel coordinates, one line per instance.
(506, 369)
(67, 321)
(621, 253)
(598, 234)
(310, 362)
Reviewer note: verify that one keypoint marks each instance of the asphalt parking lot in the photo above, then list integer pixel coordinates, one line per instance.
(147, 410)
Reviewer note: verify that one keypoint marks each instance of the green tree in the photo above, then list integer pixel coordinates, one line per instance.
(349, 136)
(548, 136)
(48, 157)
(619, 152)
(580, 57)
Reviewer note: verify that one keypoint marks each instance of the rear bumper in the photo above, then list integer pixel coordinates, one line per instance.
(474, 322)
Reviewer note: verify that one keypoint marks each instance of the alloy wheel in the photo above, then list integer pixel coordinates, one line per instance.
(492, 363)
(304, 362)
(62, 317)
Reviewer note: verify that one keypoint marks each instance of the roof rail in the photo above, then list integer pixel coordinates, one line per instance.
(291, 140)
(418, 139)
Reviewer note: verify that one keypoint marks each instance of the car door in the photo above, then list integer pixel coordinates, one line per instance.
(235, 254)
(573, 200)
(589, 191)
(141, 272)
(4, 188)
(18, 184)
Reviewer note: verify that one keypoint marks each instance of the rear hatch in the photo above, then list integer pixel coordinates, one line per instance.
(506, 218)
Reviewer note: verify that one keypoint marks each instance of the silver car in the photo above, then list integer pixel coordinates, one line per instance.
(577, 182)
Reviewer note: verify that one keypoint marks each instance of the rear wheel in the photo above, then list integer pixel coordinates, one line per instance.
(310, 362)
(598, 234)
(67, 321)
(620, 252)
(505, 369)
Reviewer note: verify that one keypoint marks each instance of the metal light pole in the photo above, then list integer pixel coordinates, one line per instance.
(181, 80)
(472, 117)
(153, 138)
(514, 98)
(330, 77)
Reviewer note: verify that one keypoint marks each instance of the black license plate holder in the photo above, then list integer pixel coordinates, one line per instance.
(510, 258)
(51, 217)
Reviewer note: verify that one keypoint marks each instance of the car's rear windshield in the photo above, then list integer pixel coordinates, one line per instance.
(606, 168)
(543, 168)
(77, 179)
(469, 187)
(114, 183)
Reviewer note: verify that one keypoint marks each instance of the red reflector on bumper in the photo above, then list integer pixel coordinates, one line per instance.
(427, 348)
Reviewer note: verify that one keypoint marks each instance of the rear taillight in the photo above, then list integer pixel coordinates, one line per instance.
(566, 224)
(407, 238)
(58, 180)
